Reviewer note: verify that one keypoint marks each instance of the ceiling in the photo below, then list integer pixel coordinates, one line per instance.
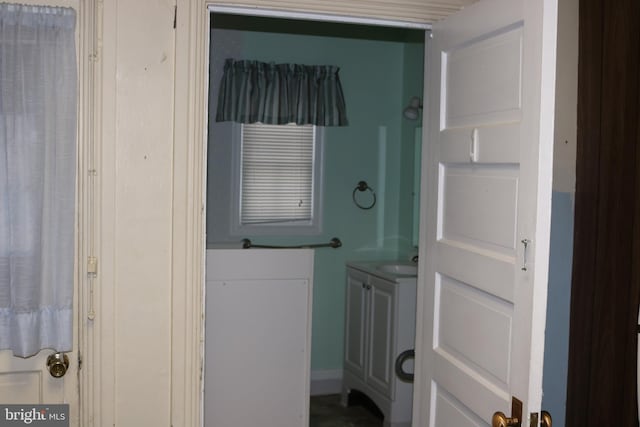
(409, 11)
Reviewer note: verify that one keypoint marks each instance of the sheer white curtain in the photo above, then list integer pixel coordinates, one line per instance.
(37, 177)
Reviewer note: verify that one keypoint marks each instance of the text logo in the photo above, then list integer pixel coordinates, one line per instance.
(34, 415)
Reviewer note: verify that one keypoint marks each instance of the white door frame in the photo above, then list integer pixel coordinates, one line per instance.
(189, 183)
(86, 342)
(86, 339)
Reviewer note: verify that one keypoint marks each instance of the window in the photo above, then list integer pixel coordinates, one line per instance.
(277, 179)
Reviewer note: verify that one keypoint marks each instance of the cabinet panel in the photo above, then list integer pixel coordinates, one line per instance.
(380, 336)
(355, 326)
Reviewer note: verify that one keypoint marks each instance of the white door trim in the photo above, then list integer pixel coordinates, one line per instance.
(88, 139)
(422, 299)
(189, 200)
(309, 16)
(88, 340)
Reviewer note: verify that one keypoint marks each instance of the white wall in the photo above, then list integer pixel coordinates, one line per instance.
(133, 323)
(566, 120)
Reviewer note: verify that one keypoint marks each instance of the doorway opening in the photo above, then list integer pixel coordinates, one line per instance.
(381, 69)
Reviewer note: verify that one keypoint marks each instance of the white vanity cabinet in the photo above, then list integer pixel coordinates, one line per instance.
(379, 325)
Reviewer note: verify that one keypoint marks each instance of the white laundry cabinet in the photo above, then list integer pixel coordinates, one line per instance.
(258, 337)
(379, 325)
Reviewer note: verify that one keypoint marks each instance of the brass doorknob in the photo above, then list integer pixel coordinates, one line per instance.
(57, 364)
(545, 419)
(499, 419)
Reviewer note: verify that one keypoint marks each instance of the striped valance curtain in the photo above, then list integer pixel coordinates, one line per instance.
(252, 91)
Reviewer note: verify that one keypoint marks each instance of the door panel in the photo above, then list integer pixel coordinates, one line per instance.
(452, 412)
(256, 361)
(480, 206)
(27, 381)
(20, 387)
(487, 182)
(482, 79)
(474, 327)
(492, 274)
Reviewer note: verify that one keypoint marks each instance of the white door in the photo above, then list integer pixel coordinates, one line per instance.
(488, 178)
(27, 380)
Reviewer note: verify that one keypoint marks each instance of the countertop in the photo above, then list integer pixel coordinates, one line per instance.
(373, 268)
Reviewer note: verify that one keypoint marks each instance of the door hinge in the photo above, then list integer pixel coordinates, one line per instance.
(79, 362)
(92, 266)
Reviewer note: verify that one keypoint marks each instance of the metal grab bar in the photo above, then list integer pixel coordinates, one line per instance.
(333, 243)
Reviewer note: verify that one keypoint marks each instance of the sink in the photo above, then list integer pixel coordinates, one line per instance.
(398, 268)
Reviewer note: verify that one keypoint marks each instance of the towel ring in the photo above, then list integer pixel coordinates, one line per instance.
(363, 186)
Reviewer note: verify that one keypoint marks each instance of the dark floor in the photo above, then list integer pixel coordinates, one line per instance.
(326, 411)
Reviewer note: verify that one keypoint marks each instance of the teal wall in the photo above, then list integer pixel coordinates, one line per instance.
(411, 131)
(377, 77)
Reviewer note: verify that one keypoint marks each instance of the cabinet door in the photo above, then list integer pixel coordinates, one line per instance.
(355, 328)
(381, 324)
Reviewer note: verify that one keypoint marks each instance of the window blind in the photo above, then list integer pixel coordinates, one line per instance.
(277, 173)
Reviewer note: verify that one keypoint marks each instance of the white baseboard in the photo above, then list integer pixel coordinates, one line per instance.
(326, 382)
